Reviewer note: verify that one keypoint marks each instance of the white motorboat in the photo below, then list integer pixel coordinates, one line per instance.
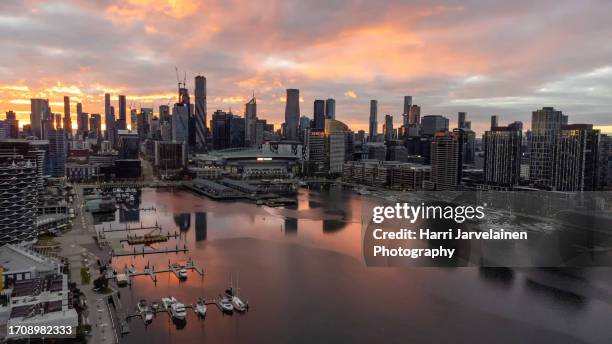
(182, 273)
(364, 191)
(236, 302)
(155, 305)
(176, 309)
(145, 311)
(200, 307)
(225, 304)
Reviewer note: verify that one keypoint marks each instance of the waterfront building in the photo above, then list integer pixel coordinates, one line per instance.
(315, 155)
(336, 140)
(502, 155)
(170, 156)
(444, 161)
(545, 130)
(576, 158)
(200, 112)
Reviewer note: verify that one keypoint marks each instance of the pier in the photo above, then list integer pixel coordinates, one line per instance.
(172, 268)
(143, 252)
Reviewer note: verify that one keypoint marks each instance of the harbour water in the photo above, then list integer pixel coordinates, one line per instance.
(302, 272)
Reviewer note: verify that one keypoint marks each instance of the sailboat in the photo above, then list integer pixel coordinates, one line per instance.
(236, 302)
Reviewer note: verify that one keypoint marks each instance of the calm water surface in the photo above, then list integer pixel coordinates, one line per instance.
(301, 271)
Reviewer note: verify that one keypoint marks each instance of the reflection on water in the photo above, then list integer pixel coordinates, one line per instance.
(201, 226)
(301, 271)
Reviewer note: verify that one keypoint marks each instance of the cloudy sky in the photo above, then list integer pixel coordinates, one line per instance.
(485, 57)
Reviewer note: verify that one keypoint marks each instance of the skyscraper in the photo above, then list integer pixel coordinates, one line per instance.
(319, 114)
(122, 122)
(220, 127)
(109, 119)
(461, 120)
(292, 114)
(330, 108)
(494, 122)
(406, 112)
(180, 123)
(444, 161)
(545, 129)
(40, 117)
(502, 155)
(414, 116)
(576, 158)
(250, 123)
(200, 111)
(67, 119)
(373, 133)
(433, 123)
(388, 128)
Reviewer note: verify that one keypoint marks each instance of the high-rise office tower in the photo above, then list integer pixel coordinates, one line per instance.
(79, 110)
(414, 116)
(433, 123)
(57, 124)
(406, 112)
(250, 123)
(109, 119)
(12, 125)
(388, 128)
(40, 117)
(373, 133)
(502, 155)
(180, 123)
(292, 114)
(95, 126)
(58, 150)
(134, 119)
(576, 158)
(461, 120)
(466, 148)
(315, 152)
(336, 134)
(220, 127)
(407, 104)
(84, 123)
(67, 119)
(319, 114)
(200, 111)
(494, 122)
(444, 161)
(122, 122)
(545, 129)
(330, 108)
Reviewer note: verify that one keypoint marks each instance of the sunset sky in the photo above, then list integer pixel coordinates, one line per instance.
(503, 58)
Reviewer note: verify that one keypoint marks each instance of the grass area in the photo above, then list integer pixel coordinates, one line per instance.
(85, 276)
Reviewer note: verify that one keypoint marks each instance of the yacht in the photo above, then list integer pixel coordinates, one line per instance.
(182, 273)
(225, 304)
(154, 306)
(236, 302)
(145, 311)
(176, 309)
(200, 307)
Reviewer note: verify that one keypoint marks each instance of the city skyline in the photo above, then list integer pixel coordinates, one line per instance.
(436, 53)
